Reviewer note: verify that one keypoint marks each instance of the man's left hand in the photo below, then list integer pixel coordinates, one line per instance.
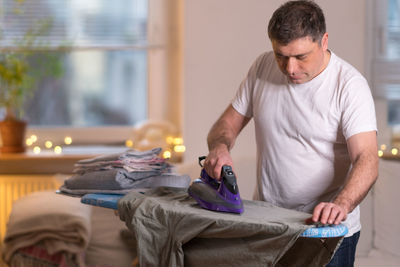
(329, 213)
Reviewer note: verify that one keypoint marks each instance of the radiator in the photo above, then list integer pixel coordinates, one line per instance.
(13, 187)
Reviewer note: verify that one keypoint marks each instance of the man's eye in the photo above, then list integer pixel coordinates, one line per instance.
(301, 57)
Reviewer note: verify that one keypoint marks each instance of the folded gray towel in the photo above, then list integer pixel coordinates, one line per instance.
(108, 179)
(106, 183)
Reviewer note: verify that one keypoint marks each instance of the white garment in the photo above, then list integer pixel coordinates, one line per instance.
(301, 131)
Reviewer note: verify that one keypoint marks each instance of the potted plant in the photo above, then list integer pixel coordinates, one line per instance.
(18, 80)
(13, 90)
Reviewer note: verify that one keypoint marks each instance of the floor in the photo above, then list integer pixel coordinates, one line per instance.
(377, 258)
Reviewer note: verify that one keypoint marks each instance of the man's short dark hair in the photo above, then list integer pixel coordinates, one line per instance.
(297, 19)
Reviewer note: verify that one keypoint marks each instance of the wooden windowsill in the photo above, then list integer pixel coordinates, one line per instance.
(389, 156)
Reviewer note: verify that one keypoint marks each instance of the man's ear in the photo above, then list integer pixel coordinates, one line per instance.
(324, 41)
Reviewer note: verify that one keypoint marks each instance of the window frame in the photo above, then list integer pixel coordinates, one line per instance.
(379, 69)
(164, 54)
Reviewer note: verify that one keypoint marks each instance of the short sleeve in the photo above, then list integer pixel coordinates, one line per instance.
(358, 110)
(243, 102)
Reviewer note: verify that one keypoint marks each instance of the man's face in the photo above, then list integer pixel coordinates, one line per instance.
(302, 59)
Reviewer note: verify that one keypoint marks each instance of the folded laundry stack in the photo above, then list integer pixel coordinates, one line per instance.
(122, 173)
(47, 229)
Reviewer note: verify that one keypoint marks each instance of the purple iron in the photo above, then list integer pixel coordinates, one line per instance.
(214, 195)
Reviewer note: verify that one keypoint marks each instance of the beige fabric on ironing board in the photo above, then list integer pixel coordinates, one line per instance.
(170, 228)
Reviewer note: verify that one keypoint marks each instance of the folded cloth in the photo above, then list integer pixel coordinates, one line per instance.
(260, 236)
(130, 160)
(127, 154)
(113, 181)
(56, 222)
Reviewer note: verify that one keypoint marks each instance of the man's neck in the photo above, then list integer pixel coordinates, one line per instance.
(327, 58)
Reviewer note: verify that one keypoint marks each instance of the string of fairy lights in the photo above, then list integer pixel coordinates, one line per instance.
(385, 150)
(33, 143)
(173, 149)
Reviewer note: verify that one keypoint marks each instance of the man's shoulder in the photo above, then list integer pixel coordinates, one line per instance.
(350, 81)
(345, 69)
(267, 56)
(265, 64)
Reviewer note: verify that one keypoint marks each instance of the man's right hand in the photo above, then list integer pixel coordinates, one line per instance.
(217, 157)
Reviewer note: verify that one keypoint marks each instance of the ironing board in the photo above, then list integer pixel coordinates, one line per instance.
(110, 201)
(187, 235)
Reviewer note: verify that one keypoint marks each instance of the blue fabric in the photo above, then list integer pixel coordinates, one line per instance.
(345, 254)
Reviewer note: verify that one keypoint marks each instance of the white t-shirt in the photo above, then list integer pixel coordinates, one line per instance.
(301, 131)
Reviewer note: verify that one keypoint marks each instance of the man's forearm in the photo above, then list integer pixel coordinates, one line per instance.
(226, 129)
(361, 178)
(220, 134)
(221, 139)
(363, 153)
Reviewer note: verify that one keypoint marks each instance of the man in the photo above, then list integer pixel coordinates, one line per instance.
(314, 121)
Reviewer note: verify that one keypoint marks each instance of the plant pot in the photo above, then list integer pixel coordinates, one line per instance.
(13, 135)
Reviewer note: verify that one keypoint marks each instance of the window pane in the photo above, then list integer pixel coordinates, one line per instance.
(393, 53)
(394, 112)
(98, 88)
(393, 29)
(105, 65)
(77, 22)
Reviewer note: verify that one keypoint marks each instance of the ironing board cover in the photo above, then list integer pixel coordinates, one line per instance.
(109, 201)
(325, 231)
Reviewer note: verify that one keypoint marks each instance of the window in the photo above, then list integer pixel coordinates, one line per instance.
(385, 72)
(383, 54)
(115, 58)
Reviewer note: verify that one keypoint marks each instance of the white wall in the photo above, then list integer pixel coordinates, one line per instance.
(221, 40)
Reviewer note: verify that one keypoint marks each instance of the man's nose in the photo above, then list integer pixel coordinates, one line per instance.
(291, 65)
